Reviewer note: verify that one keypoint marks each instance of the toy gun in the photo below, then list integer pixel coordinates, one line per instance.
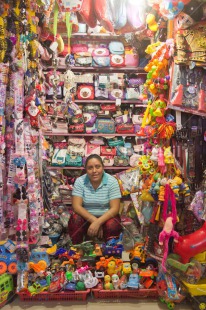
(87, 247)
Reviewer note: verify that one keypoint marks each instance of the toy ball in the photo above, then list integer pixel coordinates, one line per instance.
(170, 8)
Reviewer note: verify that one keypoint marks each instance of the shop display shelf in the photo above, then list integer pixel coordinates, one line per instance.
(82, 168)
(125, 294)
(91, 134)
(186, 110)
(137, 102)
(100, 69)
(61, 296)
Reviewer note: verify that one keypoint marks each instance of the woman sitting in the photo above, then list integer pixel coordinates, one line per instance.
(96, 202)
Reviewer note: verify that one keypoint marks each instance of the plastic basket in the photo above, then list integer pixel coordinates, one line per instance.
(61, 296)
(139, 294)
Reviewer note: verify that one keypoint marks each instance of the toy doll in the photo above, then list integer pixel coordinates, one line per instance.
(170, 219)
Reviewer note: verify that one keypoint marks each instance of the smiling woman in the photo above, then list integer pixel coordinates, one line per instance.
(96, 202)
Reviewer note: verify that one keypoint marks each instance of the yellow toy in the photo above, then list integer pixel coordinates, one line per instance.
(111, 268)
(107, 283)
(151, 22)
(175, 185)
(168, 156)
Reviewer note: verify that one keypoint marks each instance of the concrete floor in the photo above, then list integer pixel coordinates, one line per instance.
(91, 304)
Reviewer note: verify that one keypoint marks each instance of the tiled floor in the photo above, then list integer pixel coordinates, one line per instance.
(93, 305)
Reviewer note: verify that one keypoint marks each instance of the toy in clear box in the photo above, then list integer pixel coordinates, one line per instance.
(129, 181)
(170, 290)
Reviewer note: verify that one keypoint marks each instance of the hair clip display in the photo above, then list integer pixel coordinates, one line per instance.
(19, 162)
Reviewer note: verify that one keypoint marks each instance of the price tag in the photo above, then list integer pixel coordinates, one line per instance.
(118, 102)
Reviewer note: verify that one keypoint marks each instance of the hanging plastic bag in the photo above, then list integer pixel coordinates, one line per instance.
(69, 6)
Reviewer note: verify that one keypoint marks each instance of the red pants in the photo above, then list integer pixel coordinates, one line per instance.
(77, 228)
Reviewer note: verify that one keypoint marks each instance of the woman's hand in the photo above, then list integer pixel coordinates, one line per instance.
(100, 233)
(94, 229)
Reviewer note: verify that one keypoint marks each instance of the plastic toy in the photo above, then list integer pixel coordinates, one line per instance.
(70, 286)
(6, 288)
(169, 290)
(190, 272)
(8, 261)
(171, 8)
(37, 288)
(115, 281)
(138, 256)
(147, 277)
(151, 22)
(85, 248)
(126, 268)
(90, 281)
(123, 282)
(80, 286)
(39, 255)
(192, 244)
(170, 219)
(133, 281)
(57, 282)
(107, 283)
(111, 268)
(113, 250)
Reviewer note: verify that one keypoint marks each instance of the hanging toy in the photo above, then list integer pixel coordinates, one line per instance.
(170, 219)
(151, 22)
(161, 163)
(171, 8)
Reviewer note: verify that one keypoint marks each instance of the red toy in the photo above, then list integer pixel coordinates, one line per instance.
(192, 244)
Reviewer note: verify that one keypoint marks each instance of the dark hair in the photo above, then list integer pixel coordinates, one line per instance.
(94, 156)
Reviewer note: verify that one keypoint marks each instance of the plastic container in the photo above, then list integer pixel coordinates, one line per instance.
(133, 293)
(198, 289)
(61, 296)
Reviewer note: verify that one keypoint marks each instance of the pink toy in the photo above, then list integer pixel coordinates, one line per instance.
(170, 220)
(161, 163)
(192, 244)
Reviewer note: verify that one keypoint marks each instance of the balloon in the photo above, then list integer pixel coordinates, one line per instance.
(171, 8)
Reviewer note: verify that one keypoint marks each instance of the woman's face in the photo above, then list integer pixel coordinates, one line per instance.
(94, 170)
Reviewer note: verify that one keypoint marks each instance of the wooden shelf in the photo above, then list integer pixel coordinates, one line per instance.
(82, 168)
(49, 134)
(186, 110)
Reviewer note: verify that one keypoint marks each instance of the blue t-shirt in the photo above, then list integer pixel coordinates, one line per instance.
(97, 201)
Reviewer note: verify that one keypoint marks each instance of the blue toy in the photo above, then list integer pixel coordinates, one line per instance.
(133, 281)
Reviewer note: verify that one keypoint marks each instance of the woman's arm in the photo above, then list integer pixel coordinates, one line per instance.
(112, 212)
(77, 206)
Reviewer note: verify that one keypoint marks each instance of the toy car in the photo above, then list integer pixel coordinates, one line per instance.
(8, 261)
(37, 288)
(138, 256)
(6, 288)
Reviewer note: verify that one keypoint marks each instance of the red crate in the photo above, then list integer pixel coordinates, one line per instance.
(133, 293)
(61, 296)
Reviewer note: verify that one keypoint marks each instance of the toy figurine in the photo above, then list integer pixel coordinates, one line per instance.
(123, 282)
(133, 281)
(111, 268)
(115, 281)
(107, 284)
